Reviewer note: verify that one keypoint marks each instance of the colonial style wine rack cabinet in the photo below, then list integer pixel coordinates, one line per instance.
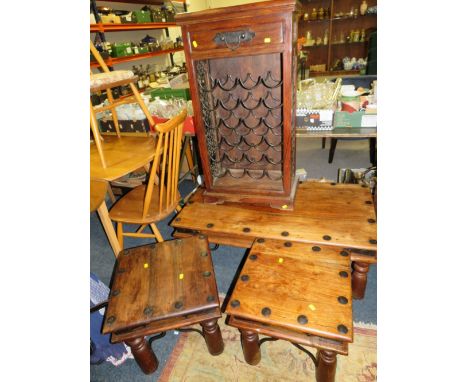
(242, 69)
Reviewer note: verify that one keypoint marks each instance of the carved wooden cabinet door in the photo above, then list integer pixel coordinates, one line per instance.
(242, 68)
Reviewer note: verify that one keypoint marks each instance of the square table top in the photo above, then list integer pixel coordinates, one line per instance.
(301, 287)
(159, 281)
(324, 213)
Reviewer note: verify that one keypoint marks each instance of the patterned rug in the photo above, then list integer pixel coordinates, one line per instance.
(190, 360)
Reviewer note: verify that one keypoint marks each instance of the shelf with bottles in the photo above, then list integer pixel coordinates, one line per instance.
(316, 21)
(149, 2)
(352, 10)
(316, 10)
(350, 18)
(117, 60)
(149, 13)
(314, 46)
(333, 29)
(350, 43)
(334, 73)
(100, 27)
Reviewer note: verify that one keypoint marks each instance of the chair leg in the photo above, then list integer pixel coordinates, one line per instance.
(110, 193)
(331, 154)
(373, 151)
(189, 155)
(120, 234)
(324, 141)
(141, 228)
(97, 135)
(156, 232)
(140, 101)
(114, 112)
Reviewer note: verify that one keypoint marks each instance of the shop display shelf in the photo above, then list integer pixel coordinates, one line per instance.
(100, 27)
(117, 60)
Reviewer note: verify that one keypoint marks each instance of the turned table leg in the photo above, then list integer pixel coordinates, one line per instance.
(326, 366)
(143, 354)
(250, 347)
(212, 335)
(359, 279)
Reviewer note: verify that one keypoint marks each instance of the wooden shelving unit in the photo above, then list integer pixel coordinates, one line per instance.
(118, 60)
(328, 53)
(99, 27)
(102, 28)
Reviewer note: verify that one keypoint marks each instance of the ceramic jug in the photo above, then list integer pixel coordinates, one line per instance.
(320, 13)
(313, 14)
(363, 7)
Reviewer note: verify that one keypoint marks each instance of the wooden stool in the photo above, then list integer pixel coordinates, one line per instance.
(296, 292)
(159, 287)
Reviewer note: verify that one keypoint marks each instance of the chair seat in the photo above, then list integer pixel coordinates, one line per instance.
(101, 81)
(129, 208)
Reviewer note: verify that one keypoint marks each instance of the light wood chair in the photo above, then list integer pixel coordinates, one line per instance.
(152, 202)
(105, 81)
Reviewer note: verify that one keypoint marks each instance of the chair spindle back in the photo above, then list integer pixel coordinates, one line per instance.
(166, 162)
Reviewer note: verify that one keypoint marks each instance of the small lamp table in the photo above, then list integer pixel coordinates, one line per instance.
(159, 287)
(296, 292)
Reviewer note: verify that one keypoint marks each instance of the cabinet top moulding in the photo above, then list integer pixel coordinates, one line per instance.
(244, 10)
(99, 27)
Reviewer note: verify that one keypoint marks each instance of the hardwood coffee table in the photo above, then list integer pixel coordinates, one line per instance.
(159, 287)
(335, 214)
(296, 292)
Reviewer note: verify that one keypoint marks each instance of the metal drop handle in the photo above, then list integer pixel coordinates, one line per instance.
(232, 40)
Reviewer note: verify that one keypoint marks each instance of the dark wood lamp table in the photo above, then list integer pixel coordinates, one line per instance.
(160, 287)
(340, 215)
(294, 292)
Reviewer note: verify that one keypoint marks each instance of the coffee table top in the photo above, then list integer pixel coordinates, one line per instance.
(158, 281)
(324, 214)
(301, 287)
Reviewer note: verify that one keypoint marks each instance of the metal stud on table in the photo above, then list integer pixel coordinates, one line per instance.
(302, 319)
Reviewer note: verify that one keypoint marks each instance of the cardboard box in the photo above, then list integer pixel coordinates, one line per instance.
(356, 119)
(121, 49)
(314, 119)
(166, 93)
(110, 19)
(141, 17)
